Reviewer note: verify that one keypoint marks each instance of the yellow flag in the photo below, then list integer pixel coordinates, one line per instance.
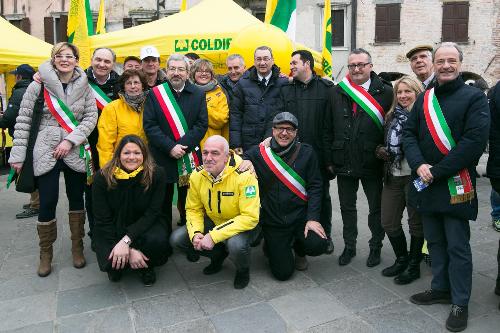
(101, 20)
(184, 5)
(326, 53)
(80, 27)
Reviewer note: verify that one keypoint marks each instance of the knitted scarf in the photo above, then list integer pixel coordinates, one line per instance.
(207, 87)
(136, 101)
(394, 135)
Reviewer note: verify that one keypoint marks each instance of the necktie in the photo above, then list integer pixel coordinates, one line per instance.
(354, 108)
(263, 81)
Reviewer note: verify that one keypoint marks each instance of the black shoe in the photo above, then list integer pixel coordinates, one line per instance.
(457, 320)
(148, 276)
(215, 265)
(329, 246)
(373, 258)
(397, 268)
(114, 275)
(241, 279)
(409, 275)
(28, 212)
(430, 296)
(192, 256)
(347, 256)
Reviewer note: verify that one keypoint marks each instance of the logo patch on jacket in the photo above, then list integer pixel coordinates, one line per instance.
(227, 194)
(250, 191)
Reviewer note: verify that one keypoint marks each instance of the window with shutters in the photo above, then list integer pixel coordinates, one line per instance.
(19, 21)
(387, 23)
(55, 28)
(455, 22)
(338, 23)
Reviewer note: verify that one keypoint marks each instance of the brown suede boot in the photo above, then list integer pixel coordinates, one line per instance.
(77, 228)
(47, 233)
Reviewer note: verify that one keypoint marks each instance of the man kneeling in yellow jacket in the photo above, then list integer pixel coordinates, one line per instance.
(222, 212)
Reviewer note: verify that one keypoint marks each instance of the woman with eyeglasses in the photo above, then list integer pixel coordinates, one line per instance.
(69, 115)
(203, 76)
(397, 179)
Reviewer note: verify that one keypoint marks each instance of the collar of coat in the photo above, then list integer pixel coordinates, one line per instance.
(113, 77)
(232, 165)
(252, 73)
(51, 81)
(188, 87)
(448, 87)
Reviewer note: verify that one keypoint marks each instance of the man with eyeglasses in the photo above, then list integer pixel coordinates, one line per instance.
(150, 58)
(421, 64)
(354, 129)
(256, 100)
(290, 185)
(175, 120)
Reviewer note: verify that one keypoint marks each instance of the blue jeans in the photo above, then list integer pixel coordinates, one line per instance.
(495, 205)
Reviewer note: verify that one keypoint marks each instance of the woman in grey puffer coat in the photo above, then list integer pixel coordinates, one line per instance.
(57, 150)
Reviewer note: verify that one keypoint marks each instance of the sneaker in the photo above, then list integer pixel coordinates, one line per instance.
(496, 224)
(346, 256)
(148, 276)
(241, 279)
(301, 263)
(29, 212)
(457, 320)
(431, 296)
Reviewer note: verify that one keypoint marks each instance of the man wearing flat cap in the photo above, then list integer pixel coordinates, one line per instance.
(421, 64)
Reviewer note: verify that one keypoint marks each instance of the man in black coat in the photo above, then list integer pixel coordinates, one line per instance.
(308, 97)
(443, 145)
(255, 102)
(493, 167)
(420, 58)
(166, 149)
(354, 129)
(235, 70)
(289, 220)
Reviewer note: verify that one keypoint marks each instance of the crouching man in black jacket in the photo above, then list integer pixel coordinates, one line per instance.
(290, 186)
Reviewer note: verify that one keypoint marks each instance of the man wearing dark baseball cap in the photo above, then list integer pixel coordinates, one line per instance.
(24, 76)
(421, 64)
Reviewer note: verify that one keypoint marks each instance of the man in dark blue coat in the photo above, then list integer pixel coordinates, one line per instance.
(443, 145)
(166, 149)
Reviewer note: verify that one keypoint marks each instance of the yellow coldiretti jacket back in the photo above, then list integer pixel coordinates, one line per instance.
(231, 201)
(117, 120)
(218, 114)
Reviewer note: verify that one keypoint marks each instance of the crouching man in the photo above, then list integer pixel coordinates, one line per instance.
(222, 211)
(290, 184)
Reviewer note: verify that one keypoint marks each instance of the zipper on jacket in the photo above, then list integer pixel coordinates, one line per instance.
(218, 202)
(210, 199)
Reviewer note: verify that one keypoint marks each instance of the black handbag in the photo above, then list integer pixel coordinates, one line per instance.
(25, 181)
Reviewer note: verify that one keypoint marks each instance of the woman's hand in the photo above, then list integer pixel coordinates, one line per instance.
(119, 255)
(382, 153)
(17, 166)
(137, 259)
(62, 149)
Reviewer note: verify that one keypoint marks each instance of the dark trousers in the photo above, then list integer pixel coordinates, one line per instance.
(347, 189)
(498, 260)
(238, 246)
(448, 243)
(48, 187)
(280, 243)
(394, 201)
(153, 243)
(326, 208)
(169, 196)
(88, 207)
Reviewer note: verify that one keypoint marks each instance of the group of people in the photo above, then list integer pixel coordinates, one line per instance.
(252, 154)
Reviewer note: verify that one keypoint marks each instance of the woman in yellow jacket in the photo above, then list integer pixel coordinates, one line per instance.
(203, 76)
(122, 116)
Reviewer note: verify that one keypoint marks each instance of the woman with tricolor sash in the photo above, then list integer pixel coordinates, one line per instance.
(397, 177)
(69, 116)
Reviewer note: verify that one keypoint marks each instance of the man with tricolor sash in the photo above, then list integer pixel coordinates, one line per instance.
(443, 140)
(290, 186)
(175, 120)
(354, 129)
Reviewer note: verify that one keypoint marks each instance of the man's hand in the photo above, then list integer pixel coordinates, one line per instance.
(238, 151)
(178, 151)
(266, 142)
(424, 171)
(197, 238)
(119, 255)
(17, 166)
(246, 165)
(137, 259)
(207, 242)
(62, 149)
(316, 228)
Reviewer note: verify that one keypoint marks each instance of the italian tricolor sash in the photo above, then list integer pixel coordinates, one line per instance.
(172, 112)
(365, 100)
(67, 120)
(284, 172)
(459, 185)
(100, 97)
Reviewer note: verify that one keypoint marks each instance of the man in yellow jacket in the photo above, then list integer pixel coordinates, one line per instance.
(222, 211)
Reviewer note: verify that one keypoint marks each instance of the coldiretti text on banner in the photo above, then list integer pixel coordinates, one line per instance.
(202, 44)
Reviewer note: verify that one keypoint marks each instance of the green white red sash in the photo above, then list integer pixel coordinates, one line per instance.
(173, 113)
(284, 172)
(459, 185)
(67, 120)
(101, 99)
(364, 100)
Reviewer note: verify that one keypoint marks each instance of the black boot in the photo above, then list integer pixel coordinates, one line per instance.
(399, 246)
(413, 271)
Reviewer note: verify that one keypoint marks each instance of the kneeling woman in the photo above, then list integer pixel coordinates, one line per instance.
(130, 229)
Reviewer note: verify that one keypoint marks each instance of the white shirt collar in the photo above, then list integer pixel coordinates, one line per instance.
(96, 80)
(366, 85)
(428, 80)
(268, 76)
(180, 90)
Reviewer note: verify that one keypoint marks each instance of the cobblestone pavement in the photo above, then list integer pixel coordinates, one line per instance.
(325, 298)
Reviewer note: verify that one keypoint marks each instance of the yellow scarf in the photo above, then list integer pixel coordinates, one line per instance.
(120, 174)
